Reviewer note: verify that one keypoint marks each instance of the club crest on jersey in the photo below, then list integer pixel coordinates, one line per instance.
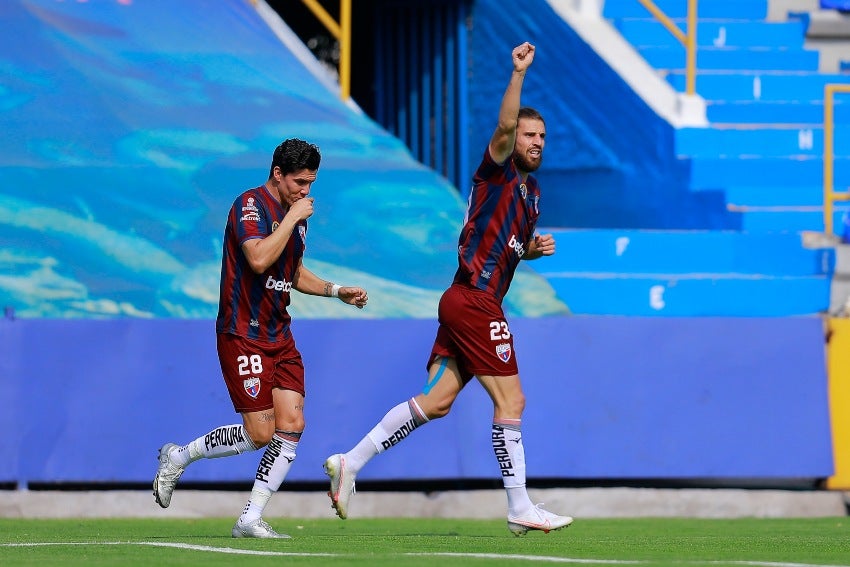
(252, 386)
(503, 351)
(524, 190)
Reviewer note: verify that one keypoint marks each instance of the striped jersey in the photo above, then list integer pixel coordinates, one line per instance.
(500, 219)
(254, 305)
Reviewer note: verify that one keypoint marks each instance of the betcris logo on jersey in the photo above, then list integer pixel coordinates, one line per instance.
(516, 245)
(278, 285)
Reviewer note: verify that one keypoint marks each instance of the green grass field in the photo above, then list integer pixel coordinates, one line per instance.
(428, 542)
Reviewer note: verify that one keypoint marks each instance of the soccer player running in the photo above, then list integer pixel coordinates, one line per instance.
(264, 242)
(473, 338)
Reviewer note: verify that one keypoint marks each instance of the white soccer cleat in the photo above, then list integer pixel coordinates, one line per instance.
(342, 484)
(166, 477)
(537, 519)
(258, 529)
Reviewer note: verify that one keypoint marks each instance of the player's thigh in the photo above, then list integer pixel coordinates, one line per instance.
(506, 393)
(288, 410)
(289, 390)
(441, 390)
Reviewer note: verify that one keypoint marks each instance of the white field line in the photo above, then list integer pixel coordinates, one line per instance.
(494, 556)
(228, 550)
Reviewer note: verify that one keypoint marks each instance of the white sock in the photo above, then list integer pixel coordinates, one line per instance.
(273, 467)
(507, 445)
(223, 441)
(256, 504)
(397, 424)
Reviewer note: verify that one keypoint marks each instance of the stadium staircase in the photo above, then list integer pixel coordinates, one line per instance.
(763, 148)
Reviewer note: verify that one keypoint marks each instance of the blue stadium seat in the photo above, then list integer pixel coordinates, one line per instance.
(688, 273)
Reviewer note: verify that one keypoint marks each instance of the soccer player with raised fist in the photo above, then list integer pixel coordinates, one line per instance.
(473, 338)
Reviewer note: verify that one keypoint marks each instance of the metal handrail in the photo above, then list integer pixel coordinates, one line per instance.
(689, 40)
(830, 195)
(342, 32)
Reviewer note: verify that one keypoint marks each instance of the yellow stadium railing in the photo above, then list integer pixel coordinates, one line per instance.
(830, 195)
(688, 40)
(342, 32)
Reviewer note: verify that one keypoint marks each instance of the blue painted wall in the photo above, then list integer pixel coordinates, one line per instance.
(607, 398)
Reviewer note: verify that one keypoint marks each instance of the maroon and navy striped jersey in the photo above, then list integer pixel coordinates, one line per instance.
(254, 305)
(500, 219)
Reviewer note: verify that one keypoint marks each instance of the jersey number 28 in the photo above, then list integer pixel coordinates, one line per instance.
(255, 362)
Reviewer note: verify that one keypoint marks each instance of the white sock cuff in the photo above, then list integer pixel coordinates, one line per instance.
(509, 424)
(417, 412)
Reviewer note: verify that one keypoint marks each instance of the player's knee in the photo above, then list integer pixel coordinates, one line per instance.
(513, 406)
(260, 440)
(291, 425)
(438, 410)
(260, 436)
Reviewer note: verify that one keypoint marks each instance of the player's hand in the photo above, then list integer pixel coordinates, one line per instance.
(301, 209)
(544, 244)
(356, 296)
(522, 56)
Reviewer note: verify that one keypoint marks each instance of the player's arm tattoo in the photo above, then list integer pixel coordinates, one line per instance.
(328, 289)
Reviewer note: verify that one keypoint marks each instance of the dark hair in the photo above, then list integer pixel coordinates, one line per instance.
(528, 112)
(294, 155)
